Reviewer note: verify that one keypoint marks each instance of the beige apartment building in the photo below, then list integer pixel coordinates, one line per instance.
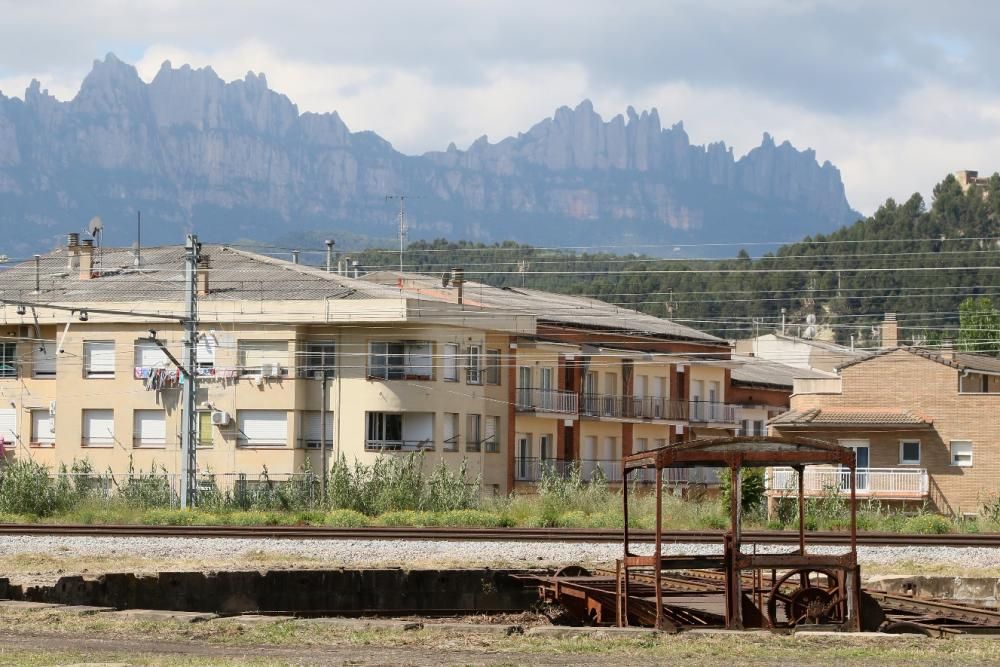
(511, 381)
(924, 425)
(84, 380)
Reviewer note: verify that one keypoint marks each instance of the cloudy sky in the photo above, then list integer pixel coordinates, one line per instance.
(896, 94)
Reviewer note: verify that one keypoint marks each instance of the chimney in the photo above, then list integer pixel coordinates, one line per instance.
(86, 264)
(329, 255)
(72, 251)
(890, 332)
(201, 276)
(947, 351)
(458, 279)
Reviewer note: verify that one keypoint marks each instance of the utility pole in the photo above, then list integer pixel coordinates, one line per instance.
(322, 435)
(189, 444)
(402, 224)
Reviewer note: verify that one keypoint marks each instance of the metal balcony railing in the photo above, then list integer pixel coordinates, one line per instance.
(399, 445)
(532, 470)
(533, 399)
(633, 407)
(897, 483)
(712, 412)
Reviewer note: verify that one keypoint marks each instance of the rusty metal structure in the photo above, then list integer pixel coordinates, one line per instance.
(738, 589)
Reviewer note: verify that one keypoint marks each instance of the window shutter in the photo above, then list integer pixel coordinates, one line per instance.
(312, 427)
(254, 354)
(451, 362)
(43, 359)
(205, 350)
(43, 427)
(148, 354)
(418, 359)
(99, 427)
(99, 357)
(205, 429)
(8, 425)
(150, 427)
(263, 427)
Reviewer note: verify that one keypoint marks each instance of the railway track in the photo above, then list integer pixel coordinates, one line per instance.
(490, 534)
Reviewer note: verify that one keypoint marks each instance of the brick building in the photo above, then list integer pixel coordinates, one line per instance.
(925, 425)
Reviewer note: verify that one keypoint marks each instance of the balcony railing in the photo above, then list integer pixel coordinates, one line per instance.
(712, 412)
(533, 399)
(532, 470)
(895, 483)
(399, 445)
(633, 407)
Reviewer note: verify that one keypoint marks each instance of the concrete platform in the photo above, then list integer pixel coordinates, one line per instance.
(83, 610)
(21, 604)
(252, 619)
(162, 615)
(564, 632)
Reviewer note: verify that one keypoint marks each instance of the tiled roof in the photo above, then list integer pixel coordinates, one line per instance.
(960, 360)
(757, 371)
(850, 416)
(234, 275)
(547, 306)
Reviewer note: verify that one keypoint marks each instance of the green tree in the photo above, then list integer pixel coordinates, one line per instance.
(979, 326)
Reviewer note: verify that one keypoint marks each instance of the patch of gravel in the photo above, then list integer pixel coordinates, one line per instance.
(422, 553)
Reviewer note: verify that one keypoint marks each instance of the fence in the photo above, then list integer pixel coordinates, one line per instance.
(899, 483)
(546, 400)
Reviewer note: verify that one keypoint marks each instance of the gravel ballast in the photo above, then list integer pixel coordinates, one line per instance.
(230, 552)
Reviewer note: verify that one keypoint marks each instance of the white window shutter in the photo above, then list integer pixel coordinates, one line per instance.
(263, 427)
(148, 354)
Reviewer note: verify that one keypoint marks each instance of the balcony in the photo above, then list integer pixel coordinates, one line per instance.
(887, 483)
(399, 445)
(711, 412)
(633, 407)
(555, 401)
(532, 470)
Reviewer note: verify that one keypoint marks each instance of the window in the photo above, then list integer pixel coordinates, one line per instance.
(263, 357)
(451, 362)
(149, 428)
(384, 430)
(659, 442)
(450, 432)
(961, 453)
(8, 360)
(641, 444)
(205, 351)
(473, 432)
(909, 452)
(98, 359)
(98, 428)
(492, 366)
(43, 429)
(474, 367)
(399, 361)
(262, 428)
(491, 442)
(545, 447)
(758, 427)
(319, 360)
(43, 359)
(205, 429)
(313, 431)
(149, 355)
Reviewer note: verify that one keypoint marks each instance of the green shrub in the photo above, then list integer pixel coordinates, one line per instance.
(752, 488)
(928, 524)
(470, 518)
(407, 518)
(346, 519)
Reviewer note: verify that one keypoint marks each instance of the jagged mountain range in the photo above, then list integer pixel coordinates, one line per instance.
(238, 160)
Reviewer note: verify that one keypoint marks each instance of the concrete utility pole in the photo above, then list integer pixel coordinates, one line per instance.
(322, 435)
(189, 444)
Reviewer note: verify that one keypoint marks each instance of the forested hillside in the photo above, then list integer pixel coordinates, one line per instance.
(907, 258)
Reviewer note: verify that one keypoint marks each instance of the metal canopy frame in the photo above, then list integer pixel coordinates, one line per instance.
(840, 600)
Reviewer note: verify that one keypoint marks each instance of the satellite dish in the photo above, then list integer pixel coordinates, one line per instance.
(810, 319)
(95, 226)
(810, 332)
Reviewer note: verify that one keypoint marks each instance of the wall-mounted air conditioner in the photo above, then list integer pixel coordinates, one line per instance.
(220, 417)
(271, 370)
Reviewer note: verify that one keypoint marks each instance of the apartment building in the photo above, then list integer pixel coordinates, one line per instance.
(279, 345)
(762, 389)
(923, 424)
(595, 381)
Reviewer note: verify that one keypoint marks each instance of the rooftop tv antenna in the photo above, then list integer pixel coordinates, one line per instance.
(402, 223)
(96, 228)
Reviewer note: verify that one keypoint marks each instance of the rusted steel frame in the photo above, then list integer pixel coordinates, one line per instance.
(947, 610)
(800, 469)
(621, 601)
(658, 553)
(795, 561)
(618, 594)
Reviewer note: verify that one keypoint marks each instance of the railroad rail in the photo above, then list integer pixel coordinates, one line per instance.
(492, 534)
